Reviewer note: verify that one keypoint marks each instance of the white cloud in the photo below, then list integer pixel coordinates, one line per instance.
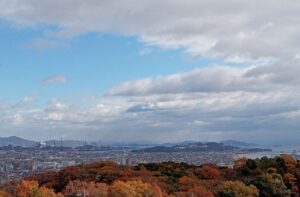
(54, 79)
(210, 79)
(17, 118)
(58, 105)
(249, 103)
(162, 117)
(54, 116)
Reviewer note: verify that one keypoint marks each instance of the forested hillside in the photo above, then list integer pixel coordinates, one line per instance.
(279, 176)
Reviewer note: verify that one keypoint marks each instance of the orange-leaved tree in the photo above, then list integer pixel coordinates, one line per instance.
(32, 189)
(27, 188)
(208, 171)
(45, 192)
(289, 162)
(4, 194)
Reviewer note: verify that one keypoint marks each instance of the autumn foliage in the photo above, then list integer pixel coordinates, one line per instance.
(265, 177)
(134, 188)
(32, 189)
(236, 188)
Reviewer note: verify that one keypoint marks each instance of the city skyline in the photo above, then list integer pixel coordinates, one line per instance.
(159, 71)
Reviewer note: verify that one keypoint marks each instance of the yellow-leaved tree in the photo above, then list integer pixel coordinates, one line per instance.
(134, 189)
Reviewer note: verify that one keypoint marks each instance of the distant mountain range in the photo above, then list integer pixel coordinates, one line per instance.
(226, 145)
(16, 141)
(190, 147)
(238, 143)
(201, 147)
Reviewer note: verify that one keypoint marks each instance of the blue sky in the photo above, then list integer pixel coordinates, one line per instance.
(162, 71)
(92, 63)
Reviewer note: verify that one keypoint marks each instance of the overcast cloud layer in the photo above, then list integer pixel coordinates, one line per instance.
(233, 29)
(217, 102)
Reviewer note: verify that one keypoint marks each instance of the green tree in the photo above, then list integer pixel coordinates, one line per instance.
(236, 189)
(271, 185)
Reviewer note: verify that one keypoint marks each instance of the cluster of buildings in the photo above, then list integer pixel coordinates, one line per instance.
(196, 158)
(18, 162)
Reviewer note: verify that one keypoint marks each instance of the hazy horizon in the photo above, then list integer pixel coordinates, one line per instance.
(158, 71)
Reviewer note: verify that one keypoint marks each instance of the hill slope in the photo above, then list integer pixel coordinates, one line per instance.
(16, 141)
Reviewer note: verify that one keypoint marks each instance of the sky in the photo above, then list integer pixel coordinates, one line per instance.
(151, 71)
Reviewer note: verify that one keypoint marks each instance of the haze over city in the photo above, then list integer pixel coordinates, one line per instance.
(150, 71)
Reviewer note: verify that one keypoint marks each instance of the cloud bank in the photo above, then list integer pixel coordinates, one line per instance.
(245, 104)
